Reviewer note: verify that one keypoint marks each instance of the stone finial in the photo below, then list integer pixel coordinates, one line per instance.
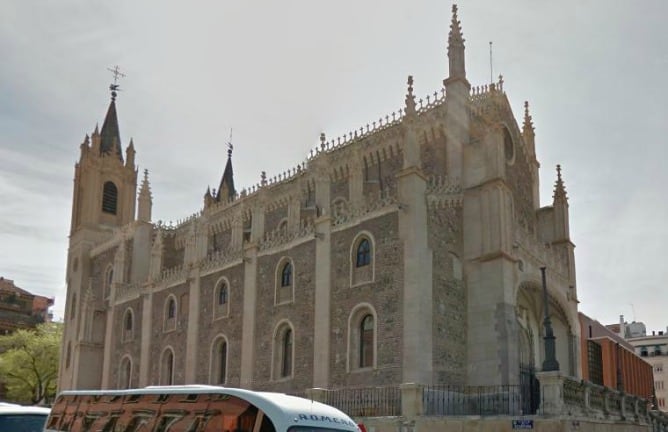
(455, 36)
(322, 141)
(527, 127)
(559, 188)
(410, 98)
(263, 178)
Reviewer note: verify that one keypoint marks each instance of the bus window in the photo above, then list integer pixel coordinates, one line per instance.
(110, 426)
(234, 415)
(267, 425)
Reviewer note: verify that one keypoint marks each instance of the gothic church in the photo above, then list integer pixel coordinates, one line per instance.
(408, 251)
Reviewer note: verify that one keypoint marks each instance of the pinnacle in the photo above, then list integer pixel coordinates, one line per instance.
(410, 99)
(528, 120)
(455, 36)
(559, 188)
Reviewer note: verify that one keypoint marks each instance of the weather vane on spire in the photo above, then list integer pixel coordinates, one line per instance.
(230, 147)
(117, 74)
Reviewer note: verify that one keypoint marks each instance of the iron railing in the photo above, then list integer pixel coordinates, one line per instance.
(449, 400)
(366, 401)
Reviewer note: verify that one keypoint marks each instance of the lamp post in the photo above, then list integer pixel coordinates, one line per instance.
(550, 363)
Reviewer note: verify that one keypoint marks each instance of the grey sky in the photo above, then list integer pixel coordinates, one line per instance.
(279, 73)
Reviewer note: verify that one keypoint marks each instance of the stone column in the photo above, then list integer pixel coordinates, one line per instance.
(145, 349)
(412, 404)
(248, 320)
(192, 340)
(417, 291)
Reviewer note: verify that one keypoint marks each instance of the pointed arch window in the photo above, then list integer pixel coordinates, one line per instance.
(284, 283)
(171, 308)
(362, 259)
(109, 198)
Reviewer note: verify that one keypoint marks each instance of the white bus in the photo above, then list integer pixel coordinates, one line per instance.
(192, 408)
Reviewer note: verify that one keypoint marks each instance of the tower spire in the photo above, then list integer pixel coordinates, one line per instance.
(110, 134)
(527, 127)
(226, 189)
(410, 98)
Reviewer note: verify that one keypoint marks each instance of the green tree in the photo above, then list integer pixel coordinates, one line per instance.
(29, 363)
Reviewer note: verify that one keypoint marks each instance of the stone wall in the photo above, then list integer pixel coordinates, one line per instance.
(176, 338)
(121, 348)
(229, 326)
(384, 294)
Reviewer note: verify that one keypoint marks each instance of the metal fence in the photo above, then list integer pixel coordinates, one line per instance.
(447, 400)
(366, 401)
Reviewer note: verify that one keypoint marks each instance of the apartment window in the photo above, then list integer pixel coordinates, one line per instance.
(662, 402)
(643, 351)
(658, 368)
(658, 385)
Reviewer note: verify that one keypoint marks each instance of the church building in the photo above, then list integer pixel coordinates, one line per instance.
(408, 251)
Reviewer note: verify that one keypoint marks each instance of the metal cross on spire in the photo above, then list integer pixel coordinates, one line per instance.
(117, 74)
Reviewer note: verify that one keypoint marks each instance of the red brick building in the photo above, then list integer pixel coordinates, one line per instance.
(21, 309)
(611, 361)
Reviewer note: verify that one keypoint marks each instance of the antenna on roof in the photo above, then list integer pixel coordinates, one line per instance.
(115, 86)
(491, 69)
(633, 309)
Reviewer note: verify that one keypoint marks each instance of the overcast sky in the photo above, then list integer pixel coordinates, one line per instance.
(280, 72)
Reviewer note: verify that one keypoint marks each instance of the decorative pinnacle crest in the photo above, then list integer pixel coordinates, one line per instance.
(559, 188)
(455, 35)
(410, 99)
(116, 72)
(528, 121)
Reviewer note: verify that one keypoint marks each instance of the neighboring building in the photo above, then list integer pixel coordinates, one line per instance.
(654, 349)
(409, 251)
(611, 361)
(21, 309)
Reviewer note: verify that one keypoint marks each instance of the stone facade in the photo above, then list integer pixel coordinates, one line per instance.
(406, 251)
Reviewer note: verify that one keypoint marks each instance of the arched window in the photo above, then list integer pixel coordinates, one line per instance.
(362, 337)
(219, 361)
(109, 198)
(125, 373)
(283, 351)
(167, 367)
(286, 345)
(366, 341)
(221, 300)
(286, 275)
(285, 283)
(171, 308)
(128, 325)
(170, 314)
(362, 261)
(363, 253)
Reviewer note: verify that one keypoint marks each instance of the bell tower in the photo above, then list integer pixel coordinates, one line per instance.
(104, 197)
